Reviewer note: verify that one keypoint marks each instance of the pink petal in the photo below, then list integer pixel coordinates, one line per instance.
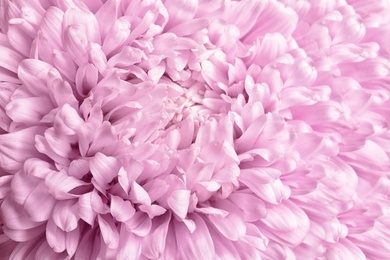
(11, 59)
(154, 245)
(5, 188)
(286, 223)
(51, 26)
(76, 43)
(106, 16)
(85, 210)
(55, 237)
(78, 168)
(43, 146)
(121, 210)
(59, 184)
(190, 27)
(109, 231)
(232, 226)
(252, 207)
(24, 235)
(140, 224)
(18, 38)
(371, 155)
(180, 11)
(21, 141)
(65, 215)
(255, 176)
(34, 73)
(196, 245)
(116, 37)
(179, 202)
(104, 169)
(67, 120)
(153, 210)
(62, 91)
(129, 245)
(82, 16)
(23, 186)
(59, 145)
(138, 194)
(39, 204)
(274, 18)
(72, 241)
(345, 250)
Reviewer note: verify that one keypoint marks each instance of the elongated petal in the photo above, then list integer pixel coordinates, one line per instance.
(109, 231)
(196, 245)
(231, 226)
(34, 73)
(153, 246)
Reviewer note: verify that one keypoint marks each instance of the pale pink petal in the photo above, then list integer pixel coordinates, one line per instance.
(196, 245)
(24, 235)
(129, 245)
(154, 245)
(121, 210)
(252, 207)
(103, 169)
(51, 26)
(56, 238)
(85, 210)
(231, 226)
(34, 73)
(109, 231)
(65, 215)
(140, 224)
(138, 194)
(39, 204)
(59, 184)
(179, 202)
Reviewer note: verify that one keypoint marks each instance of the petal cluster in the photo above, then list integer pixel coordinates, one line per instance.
(170, 129)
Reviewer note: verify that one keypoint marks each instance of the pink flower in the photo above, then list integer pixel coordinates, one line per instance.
(194, 129)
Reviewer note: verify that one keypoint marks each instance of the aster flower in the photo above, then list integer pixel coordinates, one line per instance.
(194, 129)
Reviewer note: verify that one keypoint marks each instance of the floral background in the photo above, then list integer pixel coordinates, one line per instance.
(194, 129)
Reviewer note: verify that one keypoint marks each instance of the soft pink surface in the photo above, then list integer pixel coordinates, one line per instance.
(199, 130)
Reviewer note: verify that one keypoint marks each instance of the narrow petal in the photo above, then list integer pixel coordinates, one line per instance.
(55, 237)
(72, 241)
(109, 231)
(51, 26)
(196, 245)
(129, 245)
(85, 210)
(232, 226)
(153, 245)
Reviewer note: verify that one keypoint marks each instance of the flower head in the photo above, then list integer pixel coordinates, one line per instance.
(194, 129)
